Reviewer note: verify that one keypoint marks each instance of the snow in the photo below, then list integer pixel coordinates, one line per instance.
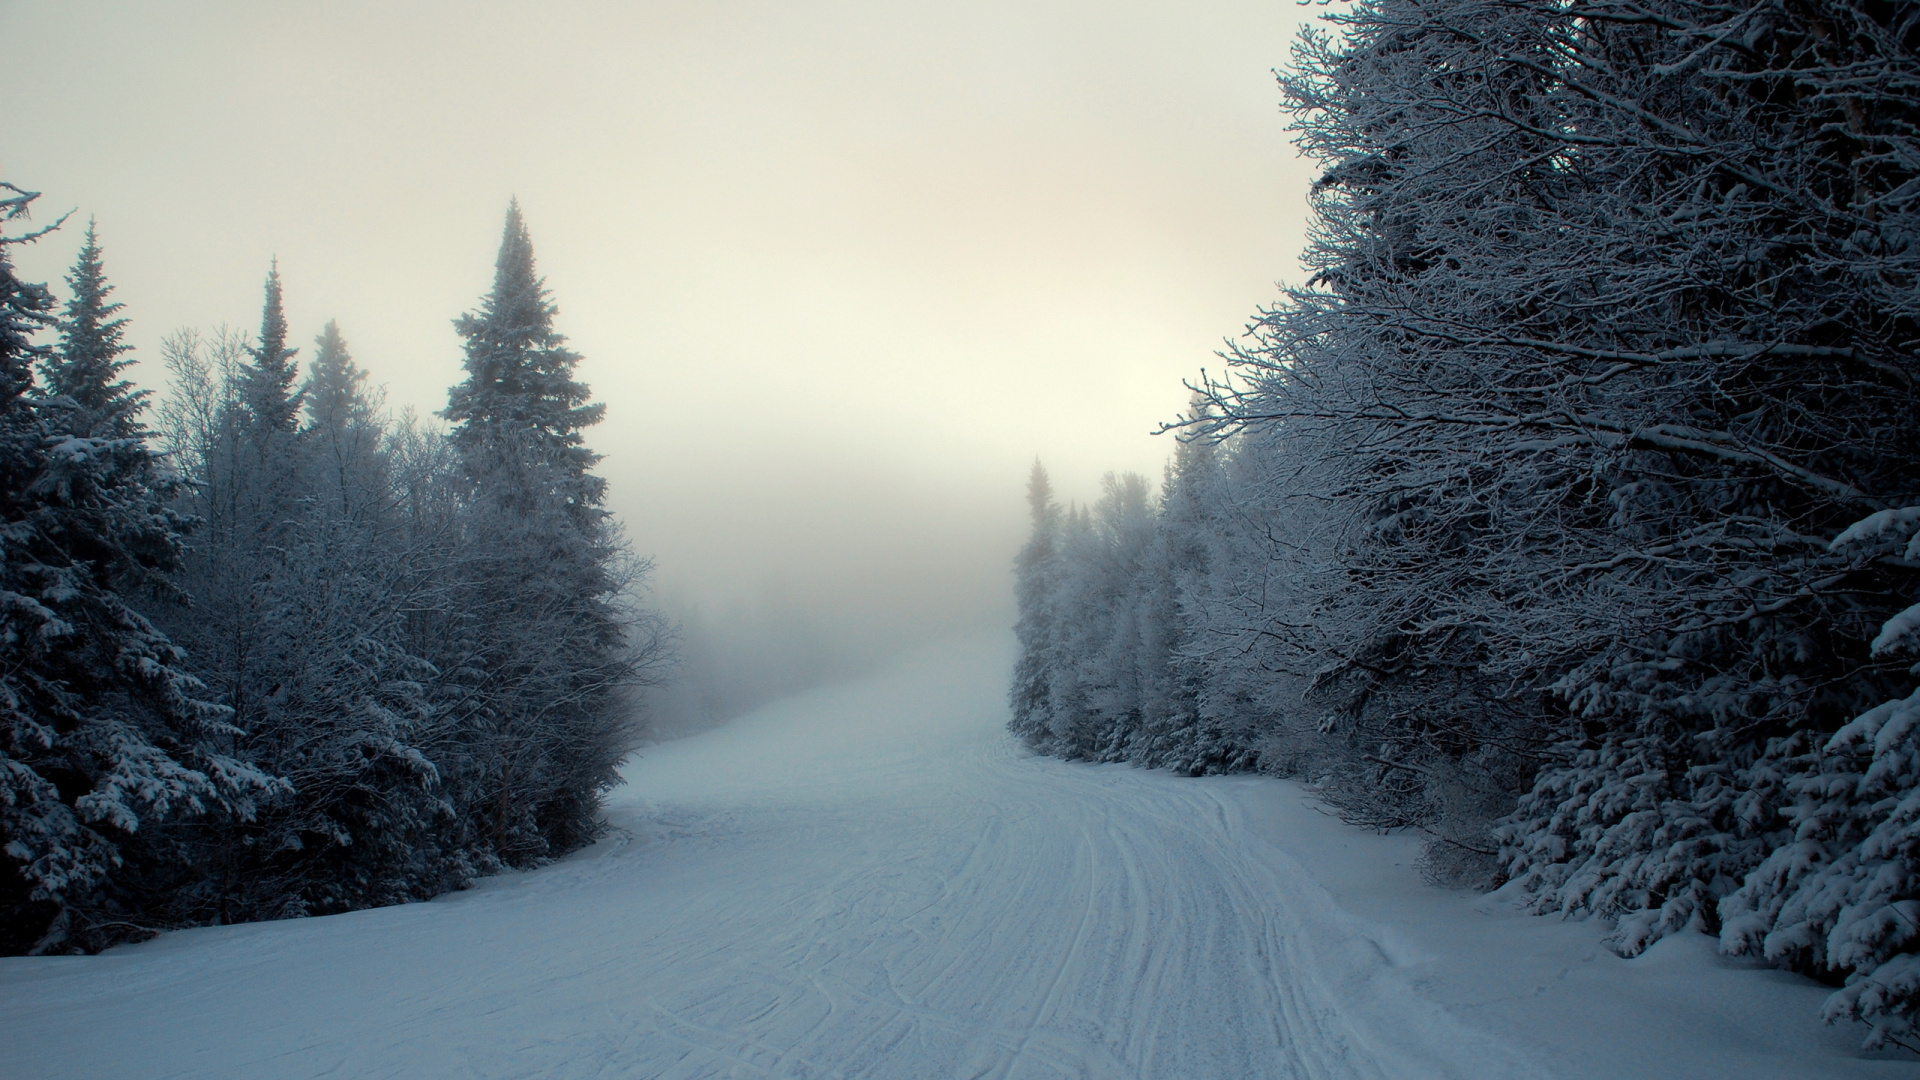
(1900, 633)
(1876, 525)
(873, 880)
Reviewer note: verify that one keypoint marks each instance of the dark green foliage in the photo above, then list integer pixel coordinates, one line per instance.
(268, 389)
(545, 653)
(520, 411)
(87, 367)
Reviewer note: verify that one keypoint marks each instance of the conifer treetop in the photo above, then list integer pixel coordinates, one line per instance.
(335, 393)
(271, 397)
(1040, 494)
(86, 367)
(24, 306)
(520, 390)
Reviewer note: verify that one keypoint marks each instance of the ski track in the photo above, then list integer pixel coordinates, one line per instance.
(866, 882)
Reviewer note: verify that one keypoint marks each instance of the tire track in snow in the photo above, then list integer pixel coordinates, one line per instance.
(1044, 1010)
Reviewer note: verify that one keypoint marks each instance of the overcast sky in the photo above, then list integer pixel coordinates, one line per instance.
(840, 269)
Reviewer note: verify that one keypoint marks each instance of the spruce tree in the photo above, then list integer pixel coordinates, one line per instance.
(548, 652)
(87, 366)
(310, 587)
(520, 411)
(269, 390)
(1175, 593)
(1611, 329)
(1035, 572)
(341, 423)
(336, 392)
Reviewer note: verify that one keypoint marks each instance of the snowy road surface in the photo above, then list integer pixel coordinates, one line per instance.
(872, 881)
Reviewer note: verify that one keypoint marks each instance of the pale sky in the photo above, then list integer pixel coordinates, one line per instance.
(839, 269)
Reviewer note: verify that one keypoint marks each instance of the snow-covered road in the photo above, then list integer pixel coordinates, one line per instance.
(867, 881)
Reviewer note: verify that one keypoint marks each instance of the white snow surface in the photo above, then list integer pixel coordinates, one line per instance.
(874, 881)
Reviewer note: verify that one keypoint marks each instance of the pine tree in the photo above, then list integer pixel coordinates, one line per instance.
(1034, 573)
(1120, 581)
(1176, 595)
(269, 389)
(1839, 894)
(520, 414)
(102, 733)
(1093, 602)
(335, 394)
(549, 654)
(1590, 418)
(87, 366)
(341, 422)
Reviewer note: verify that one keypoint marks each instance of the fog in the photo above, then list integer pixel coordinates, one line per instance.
(840, 270)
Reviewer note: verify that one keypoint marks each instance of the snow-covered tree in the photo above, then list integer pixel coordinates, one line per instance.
(1036, 570)
(1609, 335)
(1841, 894)
(1587, 445)
(343, 425)
(103, 734)
(549, 650)
(270, 389)
(1078, 693)
(409, 651)
(307, 583)
(89, 364)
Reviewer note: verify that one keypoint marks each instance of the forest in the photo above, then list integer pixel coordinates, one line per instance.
(1563, 519)
(1569, 513)
(270, 650)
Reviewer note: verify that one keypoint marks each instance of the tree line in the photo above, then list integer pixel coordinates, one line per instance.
(268, 649)
(1570, 512)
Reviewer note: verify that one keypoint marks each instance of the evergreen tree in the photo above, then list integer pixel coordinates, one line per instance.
(102, 733)
(336, 392)
(1585, 439)
(1177, 592)
(1580, 462)
(1840, 892)
(87, 366)
(341, 422)
(1035, 577)
(519, 416)
(1093, 700)
(548, 654)
(269, 390)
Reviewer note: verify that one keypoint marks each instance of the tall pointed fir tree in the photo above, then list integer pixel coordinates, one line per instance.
(1035, 572)
(102, 733)
(270, 391)
(249, 491)
(548, 652)
(341, 423)
(335, 395)
(86, 369)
